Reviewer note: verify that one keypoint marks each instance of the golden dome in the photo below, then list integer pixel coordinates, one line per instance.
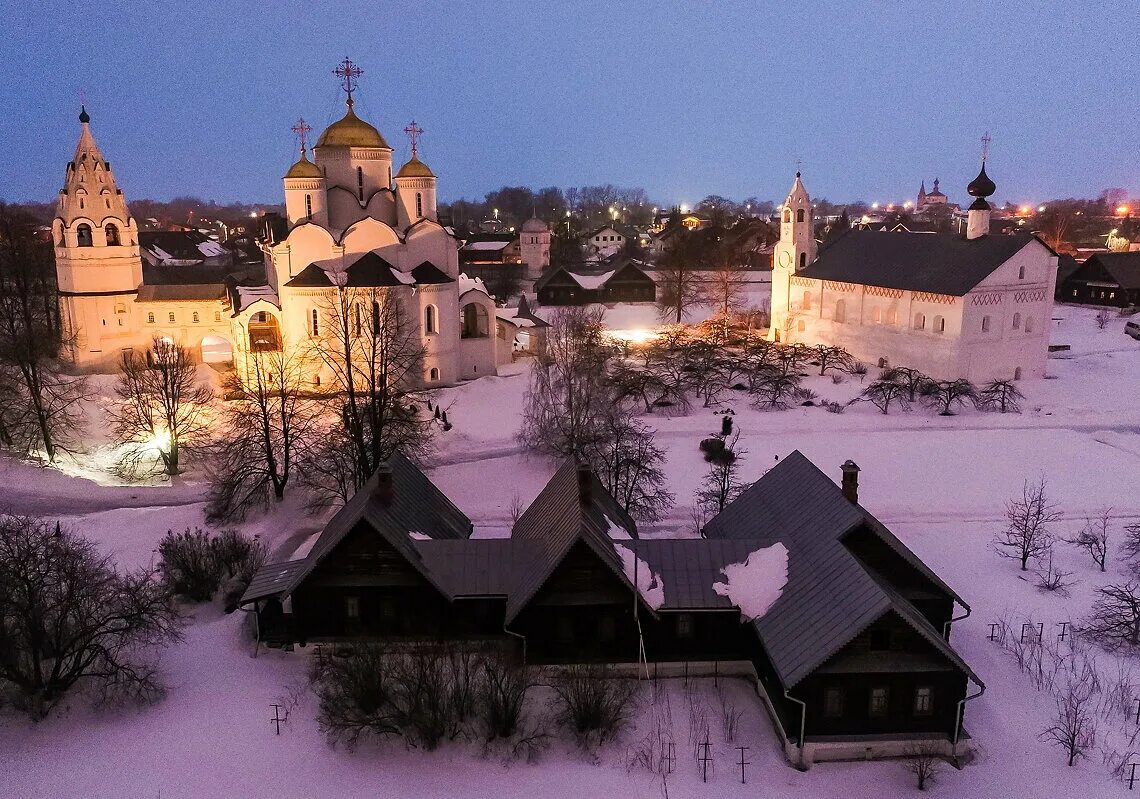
(304, 169)
(415, 169)
(351, 131)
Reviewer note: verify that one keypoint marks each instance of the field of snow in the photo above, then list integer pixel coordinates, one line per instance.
(938, 482)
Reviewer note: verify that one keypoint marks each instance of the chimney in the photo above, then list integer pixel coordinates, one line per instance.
(585, 483)
(384, 491)
(851, 481)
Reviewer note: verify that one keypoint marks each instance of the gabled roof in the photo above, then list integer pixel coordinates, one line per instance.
(417, 506)
(181, 292)
(1123, 266)
(428, 274)
(368, 270)
(940, 263)
(830, 597)
(689, 567)
(557, 519)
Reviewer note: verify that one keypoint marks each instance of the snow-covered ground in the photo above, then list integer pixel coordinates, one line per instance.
(938, 482)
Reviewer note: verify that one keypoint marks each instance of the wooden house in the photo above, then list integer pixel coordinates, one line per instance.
(1107, 278)
(618, 280)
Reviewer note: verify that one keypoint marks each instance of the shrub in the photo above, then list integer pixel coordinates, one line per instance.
(593, 703)
(835, 407)
(196, 566)
(502, 693)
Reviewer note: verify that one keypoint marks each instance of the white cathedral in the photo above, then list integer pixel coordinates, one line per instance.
(976, 306)
(351, 223)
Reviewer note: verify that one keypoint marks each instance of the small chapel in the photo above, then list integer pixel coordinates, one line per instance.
(353, 227)
(974, 305)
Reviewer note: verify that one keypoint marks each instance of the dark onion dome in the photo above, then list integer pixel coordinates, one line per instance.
(979, 204)
(415, 168)
(83, 116)
(981, 186)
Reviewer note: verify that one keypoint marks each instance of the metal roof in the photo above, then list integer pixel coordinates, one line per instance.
(940, 263)
(689, 567)
(472, 567)
(189, 292)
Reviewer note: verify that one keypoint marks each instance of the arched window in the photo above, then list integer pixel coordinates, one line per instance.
(806, 304)
(475, 321)
(985, 324)
(83, 235)
(920, 321)
(375, 317)
(308, 205)
(884, 363)
(429, 320)
(264, 333)
(803, 260)
(195, 317)
(787, 215)
(893, 316)
(1029, 324)
(939, 324)
(840, 311)
(360, 183)
(419, 205)
(314, 323)
(799, 215)
(150, 318)
(217, 316)
(877, 315)
(1021, 273)
(1017, 321)
(1017, 373)
(433, 375)
(112, 235)
(170, 317)
(800, 326)
(317, 380)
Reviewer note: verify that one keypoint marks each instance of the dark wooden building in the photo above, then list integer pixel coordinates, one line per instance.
(1107, 278)
(850, 648)
(620, 280)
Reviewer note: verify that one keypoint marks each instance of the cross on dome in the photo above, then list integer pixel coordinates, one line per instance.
(302, 130)
(413, 130)
(348, 72)
(986, 146)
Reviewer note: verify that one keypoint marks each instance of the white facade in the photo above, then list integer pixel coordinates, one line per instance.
(999, 329)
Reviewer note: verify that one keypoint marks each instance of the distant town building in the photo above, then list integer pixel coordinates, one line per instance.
(1107, 278)
(619, 280)
(929, 200)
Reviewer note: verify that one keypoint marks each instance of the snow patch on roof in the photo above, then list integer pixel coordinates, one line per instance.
(756, 584)
(591, 281)
(248, 295)
(415, 535)
(616, 531)
(404, 277)
(211, 248)
(467, 284)
(487, 245)
(648, 583)
(302, 552)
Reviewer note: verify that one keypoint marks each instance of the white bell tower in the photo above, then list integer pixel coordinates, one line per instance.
(793, 252)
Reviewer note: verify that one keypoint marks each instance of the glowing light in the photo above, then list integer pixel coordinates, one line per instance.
(633, 335)
(161, 440)
(684, 208)
(1122, 210)
(1041, 209)
(874, 206)
(253, 214)
(1023, 210)
(907, 204)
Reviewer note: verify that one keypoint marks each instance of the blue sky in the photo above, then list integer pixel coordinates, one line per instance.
(685, 99)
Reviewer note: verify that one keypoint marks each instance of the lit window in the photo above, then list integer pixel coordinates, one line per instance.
(923, 701)
(800, 327)
(314, 323)
(878, 704)
(787, 215)
(833, 702)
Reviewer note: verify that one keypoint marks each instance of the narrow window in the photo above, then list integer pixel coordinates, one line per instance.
(1021, 273)
(83, 234)
(170, 317)
(884, 363)
(893, 316)
(1017, 321)
(433, 375)
(833, 702)
(112, 234)
(195, 317)
(800, 327)
(375, 317)
(787, 215)
(985, 324)
(358, 311)
(806, 304)
(878, 704)
(316, 381)
(308, 205)
(1029, 324)
(314, 323)
(840, 311)
(351, 607)
(684, 625)
(360, 183)
(803, 260)
(877, 315)
(923, 701)
(920, 321)
(217, 316)
(150, 318)
(939, 324)
(799, 215)
(419, 205)
(1017, 373)
(429, 320)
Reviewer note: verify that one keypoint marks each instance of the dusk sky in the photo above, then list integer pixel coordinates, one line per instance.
(684, 99)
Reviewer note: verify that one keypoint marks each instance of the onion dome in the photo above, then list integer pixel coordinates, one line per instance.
(535, 225)
(981, 186)
(415, 168)
(304, 168)
(351, 131)
(84, 117)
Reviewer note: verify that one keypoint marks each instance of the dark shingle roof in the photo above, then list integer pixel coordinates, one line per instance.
(689, 567)
(368, 270)
(192, 292)
(941, 263)
(471, 567)
(1123, 266)
(428, 274)
(830, 597)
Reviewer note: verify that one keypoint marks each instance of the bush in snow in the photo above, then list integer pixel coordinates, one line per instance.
(502, 694)
(1093, 537)
(1054, 579)
(924, 761)
(593, 703)
(1073, 727)
(1114, 621)
(882, 393)
(721, 483)
(999, 395)
(946, 395)
(69, 618)
(1102, 318)
(196, 566)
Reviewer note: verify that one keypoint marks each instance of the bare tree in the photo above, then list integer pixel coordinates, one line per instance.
(68, 617)
(924, 761)
(264, 425)
(916, 382)
(946, 395)
(831, 357)
(1130, 547)
(722, 484)
(39, 404)
(1028, 535)
(1114, 621)
(999, 395)
(679, 283)
(1073, 728)
(162, 409)
(628, 463)
(1054, 579)
(1093, 537)
(1103, 317)
(881, 393)
(776, 389)
(369, 341)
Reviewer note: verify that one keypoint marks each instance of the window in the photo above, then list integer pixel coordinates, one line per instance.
(833, 702)
(419, 205)
(787, 215)
(939, 324)
(170, 317)
(799, 215)
(684, 625)
(877, 315)
(879, 700)
(314, 323)
(1021, 273)
(920, 321)
(112, 234)
(884, 363)
(923, 701)
(264, 333)
(892, 316)
(803, 260)
(1017, 321)
(150, 318)
(800, 326)
(1029, 324)
(840, 311)
(83, 235)
(806, 304)
(317, 380)
(351, 607)
(375, 317)
(473, 318)
(360, 183)
(433, 375)
(308, 205)
(195, 317)
(429, 320)
(1017, 373)
(985, 324)
(217, 316)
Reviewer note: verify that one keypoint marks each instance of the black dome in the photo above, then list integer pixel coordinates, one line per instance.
(83, 117)
(981, 186)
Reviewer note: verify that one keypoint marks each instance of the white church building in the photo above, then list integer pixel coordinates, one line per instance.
(352, 224)
(975, 306)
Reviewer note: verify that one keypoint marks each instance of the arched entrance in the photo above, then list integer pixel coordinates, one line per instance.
(216, 349)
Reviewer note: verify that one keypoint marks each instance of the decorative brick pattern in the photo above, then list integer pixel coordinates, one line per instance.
(831, 285)
(878, 291)
(1032, 295)
(944, 299)
(985, 300)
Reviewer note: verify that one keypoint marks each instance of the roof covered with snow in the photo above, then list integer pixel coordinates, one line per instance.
(248, 295)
